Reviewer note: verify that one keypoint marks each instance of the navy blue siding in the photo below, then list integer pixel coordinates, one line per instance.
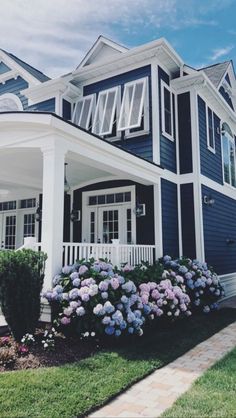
(188, 222)
(225, 95)
(140, 145)
(46, 106)
(169, 218)
(219, 222)
(167, 147)
(144, 194)
(15, 86)
(4, 68)
(185, 134)
(66, 109)
(211, 164)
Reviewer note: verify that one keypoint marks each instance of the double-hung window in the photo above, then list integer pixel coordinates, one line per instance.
(83, 111)
(106, 110)
(228, 151)
(210, 130)
(167, 111)
(134, 107)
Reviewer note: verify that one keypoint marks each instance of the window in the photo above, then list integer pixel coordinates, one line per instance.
(105, 112)
(134, 107)
(210, 130)
(228, 151)
(167, 112)
(10, 102)
(27, 203)
(8, 205)
(29, 225)
(83, 112)
(107, 199)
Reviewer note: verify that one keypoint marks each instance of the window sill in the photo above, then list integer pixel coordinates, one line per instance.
(212, 150)
(138, 133)
(168, 136)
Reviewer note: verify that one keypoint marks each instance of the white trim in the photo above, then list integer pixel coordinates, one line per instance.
(155, 112)
(86, 207)
(18, 70)
(230, 139)
(129, 110)
(14, 98)
(98, 121)
(163, 130)
(158, 232)
(209, 147)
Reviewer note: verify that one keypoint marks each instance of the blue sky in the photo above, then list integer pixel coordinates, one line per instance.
(54, 35)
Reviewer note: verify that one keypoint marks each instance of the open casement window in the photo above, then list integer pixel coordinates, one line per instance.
(228, 152)
(105, 112)
(210, 130)
(83, 112)
(134, 107)
(167, 111)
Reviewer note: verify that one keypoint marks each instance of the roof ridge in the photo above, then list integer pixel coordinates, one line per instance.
(214, 65)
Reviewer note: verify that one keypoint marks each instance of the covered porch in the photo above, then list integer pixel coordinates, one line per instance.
(112, 208)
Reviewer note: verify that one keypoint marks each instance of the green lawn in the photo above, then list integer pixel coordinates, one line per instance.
(71, 390)
(213, 395)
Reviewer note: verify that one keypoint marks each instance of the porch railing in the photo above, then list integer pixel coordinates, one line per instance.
(117, 254)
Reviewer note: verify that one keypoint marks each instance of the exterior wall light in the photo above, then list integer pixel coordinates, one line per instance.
(140, 210)
(66, 184)
(208, 200)
(75, 215)
(38, 214)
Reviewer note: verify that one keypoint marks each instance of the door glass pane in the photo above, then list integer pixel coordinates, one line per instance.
(29, 225)
(10, 232)
(129, 228)
(110, 226)
(92, 227)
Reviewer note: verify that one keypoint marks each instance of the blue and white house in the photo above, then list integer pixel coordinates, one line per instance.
(130, 156)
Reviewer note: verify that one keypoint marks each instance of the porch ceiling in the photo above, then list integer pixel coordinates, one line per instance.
(21, 172)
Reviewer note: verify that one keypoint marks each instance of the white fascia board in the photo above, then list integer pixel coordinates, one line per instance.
(97, 45)
(19, 69)
(9, 75)
(49, 89)
(138, 54)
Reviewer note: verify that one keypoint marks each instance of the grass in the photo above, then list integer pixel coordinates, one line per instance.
(72, 390)
(213, 395)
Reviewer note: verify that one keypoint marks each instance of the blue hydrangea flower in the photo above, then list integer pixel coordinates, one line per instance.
(109, 330)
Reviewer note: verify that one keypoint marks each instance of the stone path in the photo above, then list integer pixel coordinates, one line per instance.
(157, 392)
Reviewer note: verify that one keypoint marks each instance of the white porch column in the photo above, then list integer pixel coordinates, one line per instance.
(53, 210)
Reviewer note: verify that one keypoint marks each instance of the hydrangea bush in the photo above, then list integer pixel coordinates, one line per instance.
(200, 281)
(95, 298)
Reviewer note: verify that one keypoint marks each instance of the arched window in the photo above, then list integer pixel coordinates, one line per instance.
(10, 102)
(228, 151)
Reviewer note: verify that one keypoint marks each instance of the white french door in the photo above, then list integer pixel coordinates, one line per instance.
(109, 222)
(15, 226)
(8, 230)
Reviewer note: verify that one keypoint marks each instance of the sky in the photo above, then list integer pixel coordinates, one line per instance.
(54, 35)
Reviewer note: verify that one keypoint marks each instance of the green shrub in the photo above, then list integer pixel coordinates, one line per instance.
(21, 280)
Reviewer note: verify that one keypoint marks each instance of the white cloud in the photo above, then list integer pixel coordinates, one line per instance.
(53, 35)
(220, 52)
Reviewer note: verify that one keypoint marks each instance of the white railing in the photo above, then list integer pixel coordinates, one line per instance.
(117, 254)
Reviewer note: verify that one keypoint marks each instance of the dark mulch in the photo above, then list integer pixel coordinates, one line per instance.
(67, 350)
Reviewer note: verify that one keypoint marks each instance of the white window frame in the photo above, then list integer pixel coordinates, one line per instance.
(15, 99)
(163, 131)
(90, 112)
(143, 110)
(105, 93)
(209, 147)
(231, 139)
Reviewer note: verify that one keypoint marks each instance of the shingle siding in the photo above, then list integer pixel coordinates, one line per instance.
(211, 164)
(169, 218)
(219, 223)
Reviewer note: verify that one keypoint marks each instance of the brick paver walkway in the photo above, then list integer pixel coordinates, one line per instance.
(157, 392)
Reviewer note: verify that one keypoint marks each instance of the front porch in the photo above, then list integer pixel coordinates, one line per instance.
(113, 207)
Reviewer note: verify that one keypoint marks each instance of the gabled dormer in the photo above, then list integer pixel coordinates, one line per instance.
(222, 77)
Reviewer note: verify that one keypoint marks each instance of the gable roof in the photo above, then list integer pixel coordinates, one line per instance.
(102, 47)
(216, 72)
(31, 70)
